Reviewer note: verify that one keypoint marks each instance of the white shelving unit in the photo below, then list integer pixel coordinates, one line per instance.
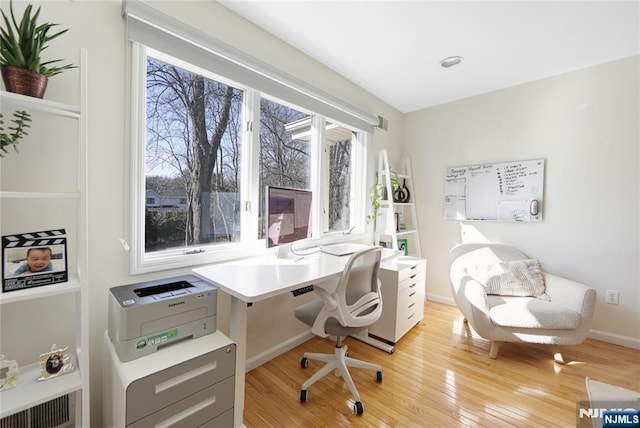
(397, 220)
(29, 392)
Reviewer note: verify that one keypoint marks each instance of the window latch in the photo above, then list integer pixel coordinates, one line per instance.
(194, 251)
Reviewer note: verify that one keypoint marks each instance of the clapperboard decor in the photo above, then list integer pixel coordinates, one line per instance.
(34, 259)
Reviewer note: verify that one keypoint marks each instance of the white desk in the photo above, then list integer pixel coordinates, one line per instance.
(258, 278)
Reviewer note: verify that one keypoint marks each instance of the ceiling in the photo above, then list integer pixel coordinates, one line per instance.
(393, 48)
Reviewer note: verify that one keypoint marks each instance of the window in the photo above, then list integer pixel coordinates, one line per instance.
(193, 138)
(284, 156)
(208, 136)
(338, 147)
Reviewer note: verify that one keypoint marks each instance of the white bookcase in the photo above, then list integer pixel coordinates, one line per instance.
(44, 187)
(396, 221)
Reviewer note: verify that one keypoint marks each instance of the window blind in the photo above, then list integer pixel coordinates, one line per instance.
(164, 33)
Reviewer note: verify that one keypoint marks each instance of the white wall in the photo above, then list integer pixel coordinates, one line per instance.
(586, 125)
(544, 119)
(99, 27)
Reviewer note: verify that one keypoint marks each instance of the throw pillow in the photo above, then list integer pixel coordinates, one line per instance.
(518, 278)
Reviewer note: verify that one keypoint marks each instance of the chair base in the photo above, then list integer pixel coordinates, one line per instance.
(339, 363)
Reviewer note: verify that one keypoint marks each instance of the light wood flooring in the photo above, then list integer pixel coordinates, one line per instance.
(439, 376)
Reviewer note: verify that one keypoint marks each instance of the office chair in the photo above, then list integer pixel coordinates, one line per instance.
(355, 305)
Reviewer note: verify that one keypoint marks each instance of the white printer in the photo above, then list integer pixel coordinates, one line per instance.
(146, 316)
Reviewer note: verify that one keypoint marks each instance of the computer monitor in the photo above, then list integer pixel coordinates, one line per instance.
(288, 213)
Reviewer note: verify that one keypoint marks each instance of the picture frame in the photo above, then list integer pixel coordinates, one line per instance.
(55, 362)
(8, 373)
(403, 245)
(34, 259)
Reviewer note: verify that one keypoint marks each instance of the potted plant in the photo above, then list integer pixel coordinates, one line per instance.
(21, 121)
(21, 46)
(378, 193)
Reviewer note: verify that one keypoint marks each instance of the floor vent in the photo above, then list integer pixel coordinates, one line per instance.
(51, 414)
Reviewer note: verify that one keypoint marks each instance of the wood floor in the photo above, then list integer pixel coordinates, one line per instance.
(439, 376)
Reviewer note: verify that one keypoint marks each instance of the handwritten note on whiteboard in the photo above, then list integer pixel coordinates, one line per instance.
(507, 191)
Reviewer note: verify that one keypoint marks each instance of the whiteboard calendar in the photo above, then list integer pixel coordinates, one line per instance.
(507, 191)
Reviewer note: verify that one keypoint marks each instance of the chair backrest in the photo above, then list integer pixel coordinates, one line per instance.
(357, 299)
(464, 258)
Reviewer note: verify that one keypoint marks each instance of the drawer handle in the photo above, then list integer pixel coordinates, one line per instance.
(414, 266)
(410, 316)
(412, 294)
(185, 377)
(413, 285)
(411, 306)
(175, 419)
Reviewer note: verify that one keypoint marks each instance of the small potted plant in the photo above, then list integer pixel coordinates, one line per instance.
(21, 46)
(378, 193)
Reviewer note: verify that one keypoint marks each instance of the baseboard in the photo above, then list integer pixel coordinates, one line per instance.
(441, 299)
(616, 339)
(279, 349)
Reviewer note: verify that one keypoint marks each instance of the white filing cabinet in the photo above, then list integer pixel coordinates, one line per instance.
(189, 384)
(403, 290)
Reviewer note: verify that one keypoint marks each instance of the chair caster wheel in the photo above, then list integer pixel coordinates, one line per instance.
(379, 377)
(358, 408)
(303, 395)
(304, 362)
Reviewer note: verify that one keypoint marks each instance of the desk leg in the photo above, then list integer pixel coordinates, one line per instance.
(238, 330)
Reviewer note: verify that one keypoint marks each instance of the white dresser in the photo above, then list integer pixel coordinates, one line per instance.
(403, 290)
(190, 383)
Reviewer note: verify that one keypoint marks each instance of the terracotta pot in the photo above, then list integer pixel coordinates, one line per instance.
(23, 81)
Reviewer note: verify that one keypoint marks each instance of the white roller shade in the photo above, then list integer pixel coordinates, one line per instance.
(156, 30)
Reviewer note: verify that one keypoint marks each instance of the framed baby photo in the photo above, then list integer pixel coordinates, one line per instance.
(34, 259)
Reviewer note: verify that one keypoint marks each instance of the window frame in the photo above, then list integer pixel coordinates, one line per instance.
(249, 244)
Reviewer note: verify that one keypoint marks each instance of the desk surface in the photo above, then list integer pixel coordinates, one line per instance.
(258, 278)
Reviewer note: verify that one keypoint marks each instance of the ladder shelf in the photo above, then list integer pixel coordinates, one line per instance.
(396, 222)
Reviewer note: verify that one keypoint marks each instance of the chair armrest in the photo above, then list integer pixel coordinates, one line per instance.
(328, 307)
(571, 294)
(472, 300)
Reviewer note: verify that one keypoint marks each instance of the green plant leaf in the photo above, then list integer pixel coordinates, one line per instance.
(21, 121)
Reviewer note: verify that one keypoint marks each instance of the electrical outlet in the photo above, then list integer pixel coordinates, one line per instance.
(613, 297)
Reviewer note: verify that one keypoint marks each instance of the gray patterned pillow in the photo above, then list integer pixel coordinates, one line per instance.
(518, 278)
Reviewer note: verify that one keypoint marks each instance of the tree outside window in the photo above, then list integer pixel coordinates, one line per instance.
(197, 130)
(192, 154)
(284, 156)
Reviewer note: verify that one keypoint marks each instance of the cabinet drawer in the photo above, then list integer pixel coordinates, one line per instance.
(411, 269)
(409, 300)
(161, 389)
(410, 308)
(199, 409)
(410, 319)
(416, 280)
(224, 420)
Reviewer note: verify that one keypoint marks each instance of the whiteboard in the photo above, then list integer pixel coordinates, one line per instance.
(507, 191)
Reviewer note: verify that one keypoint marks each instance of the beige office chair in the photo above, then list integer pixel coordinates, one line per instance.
(355, 305)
